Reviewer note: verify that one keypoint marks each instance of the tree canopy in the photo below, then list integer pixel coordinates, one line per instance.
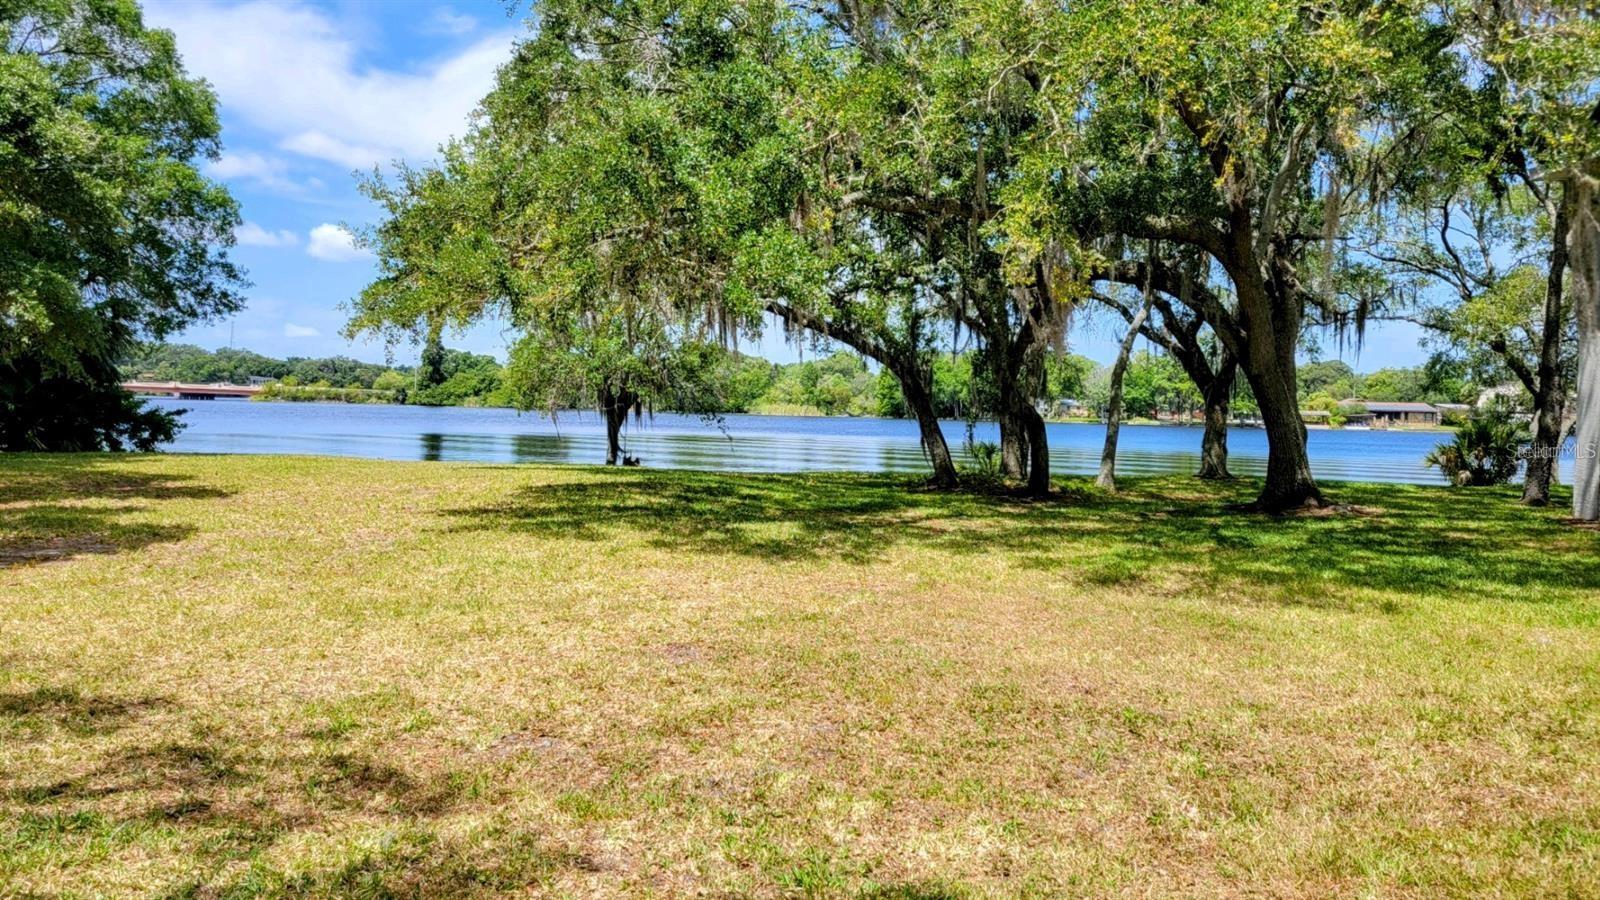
(914, 179)
(108, 231)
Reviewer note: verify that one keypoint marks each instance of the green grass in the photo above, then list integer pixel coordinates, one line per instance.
(246, 676)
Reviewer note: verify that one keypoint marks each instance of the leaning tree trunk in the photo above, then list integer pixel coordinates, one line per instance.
(615, 405)
(1108, 453)
(1583, 250)
(1546, 446)
(1214, 441)
(1038, 452)
(920, 402)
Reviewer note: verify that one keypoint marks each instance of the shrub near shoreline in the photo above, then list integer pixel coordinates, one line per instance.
(319, 394)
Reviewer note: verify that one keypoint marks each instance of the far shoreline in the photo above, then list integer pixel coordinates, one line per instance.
(800, 414)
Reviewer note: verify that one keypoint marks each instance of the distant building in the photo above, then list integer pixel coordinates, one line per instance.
(1382, 414)
(1511, 394)
(1064, 409)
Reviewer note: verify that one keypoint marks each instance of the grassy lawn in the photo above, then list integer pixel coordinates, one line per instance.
(250, 675)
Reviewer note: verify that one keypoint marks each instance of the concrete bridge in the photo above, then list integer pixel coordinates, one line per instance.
(190, 391)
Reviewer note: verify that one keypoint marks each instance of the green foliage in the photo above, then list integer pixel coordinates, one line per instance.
(157, 361)
(743, 380)
(1331, 376)
(952, 385)
(1442, 379)
(984, 456)
(40, 410)
(391, 380)
(337, 371)
(469, 379)
(430, 369)
(889, 400)
(108, 231)
(1154, 385)
(1485, 451)
(193, 365)
(324, 393)
(1066, 376)
(838, 384)
(1392, 385)
(1448, 379)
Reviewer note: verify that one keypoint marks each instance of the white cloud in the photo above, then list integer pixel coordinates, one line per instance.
(291, 71)
(290, 329)
(320, 146)
(267, 171)
(447, 21)
(252, 235)
(332, 243)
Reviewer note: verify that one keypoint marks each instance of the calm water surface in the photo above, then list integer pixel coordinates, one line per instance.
(742, 443)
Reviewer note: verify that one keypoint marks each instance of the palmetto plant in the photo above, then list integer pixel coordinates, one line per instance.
(1485, 451)
(985, 458)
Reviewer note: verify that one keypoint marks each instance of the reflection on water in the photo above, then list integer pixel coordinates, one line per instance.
(743, 443)
(432, 447)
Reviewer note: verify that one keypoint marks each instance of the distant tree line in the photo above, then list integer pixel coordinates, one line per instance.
(839, 383)
(192, 364)
(463, 378)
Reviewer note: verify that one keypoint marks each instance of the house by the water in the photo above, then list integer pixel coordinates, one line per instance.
(1381, 414)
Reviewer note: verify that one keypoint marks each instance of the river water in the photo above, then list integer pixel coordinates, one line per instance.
(744, 443)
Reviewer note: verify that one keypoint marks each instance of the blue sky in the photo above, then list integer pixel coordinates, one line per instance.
(313, 92)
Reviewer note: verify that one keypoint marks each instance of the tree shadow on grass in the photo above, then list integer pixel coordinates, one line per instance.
(58, 507)
(775, 517)
(1402, 538)
(25, 713)
(230, 802)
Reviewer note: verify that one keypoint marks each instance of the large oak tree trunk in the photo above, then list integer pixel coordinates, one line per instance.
(1583, 250)
(1269, 368)
(1271, 325)
(1289, 481)
(919, 401)
(1013, 439)
(1214, 442)
(1038, 452)
(1586, 475)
